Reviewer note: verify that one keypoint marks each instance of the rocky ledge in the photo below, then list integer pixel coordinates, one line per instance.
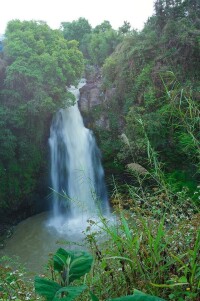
(94, 102)
(90, 96)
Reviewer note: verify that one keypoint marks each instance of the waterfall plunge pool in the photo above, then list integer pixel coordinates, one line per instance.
(38, 236)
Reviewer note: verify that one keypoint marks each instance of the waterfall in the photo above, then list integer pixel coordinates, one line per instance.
(76, 169)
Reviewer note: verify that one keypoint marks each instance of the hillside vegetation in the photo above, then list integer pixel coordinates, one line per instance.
(150, 89)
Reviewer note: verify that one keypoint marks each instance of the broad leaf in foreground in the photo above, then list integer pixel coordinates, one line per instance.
(46, 288)
(78, 263)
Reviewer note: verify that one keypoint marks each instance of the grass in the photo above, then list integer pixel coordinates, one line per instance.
(151, 247)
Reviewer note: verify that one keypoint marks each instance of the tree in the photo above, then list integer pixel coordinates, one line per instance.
(103, 27)
(40, 59)
(125, 28)
(76, 30)
(101, 43)
(39, 64)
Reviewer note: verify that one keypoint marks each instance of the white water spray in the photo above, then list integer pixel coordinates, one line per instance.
(76, 169)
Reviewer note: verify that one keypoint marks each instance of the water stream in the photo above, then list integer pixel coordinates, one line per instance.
(76, 171)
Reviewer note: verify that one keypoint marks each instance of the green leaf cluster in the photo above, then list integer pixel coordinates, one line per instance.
(67, 267)
(96, 44)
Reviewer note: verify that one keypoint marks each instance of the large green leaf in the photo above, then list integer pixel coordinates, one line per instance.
(52, 291)
(72, 293)
(137, 296)
(78, 263)
(60, 259)
(46, 288)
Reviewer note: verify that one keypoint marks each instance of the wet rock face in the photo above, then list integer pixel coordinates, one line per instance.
(103, 122)
(90, 96)
(92, 100)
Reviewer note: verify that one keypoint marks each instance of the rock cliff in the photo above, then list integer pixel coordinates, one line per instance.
(94, 103)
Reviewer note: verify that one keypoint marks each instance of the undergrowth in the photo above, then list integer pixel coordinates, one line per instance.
(151, 247)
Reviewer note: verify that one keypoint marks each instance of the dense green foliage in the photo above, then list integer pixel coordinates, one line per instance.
(37, 65)
(76, 30)
(155, 78)
(96, 44)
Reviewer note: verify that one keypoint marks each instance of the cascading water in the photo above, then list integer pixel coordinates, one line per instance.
(76, 169)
